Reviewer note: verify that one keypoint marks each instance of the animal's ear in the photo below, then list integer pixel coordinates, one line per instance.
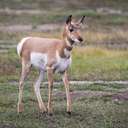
(69, 19)
(82, 20)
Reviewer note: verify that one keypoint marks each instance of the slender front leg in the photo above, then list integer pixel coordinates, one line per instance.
(50, 87)
(37, 92)
(66, 84)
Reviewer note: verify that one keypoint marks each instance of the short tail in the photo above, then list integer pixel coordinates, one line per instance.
(20, 45)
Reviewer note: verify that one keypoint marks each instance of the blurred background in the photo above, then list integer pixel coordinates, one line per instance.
(105, 33)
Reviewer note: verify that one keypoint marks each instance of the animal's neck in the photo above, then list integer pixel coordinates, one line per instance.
(68, 43)
(67, 46)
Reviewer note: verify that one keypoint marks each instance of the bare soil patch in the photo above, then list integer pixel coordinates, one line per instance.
(121, 96)
(80, 94)
(22, 28)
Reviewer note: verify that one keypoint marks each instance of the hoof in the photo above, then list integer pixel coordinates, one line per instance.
(42, 109)
(69, 113)
(42, 114)
(50, 114)
(49, 111)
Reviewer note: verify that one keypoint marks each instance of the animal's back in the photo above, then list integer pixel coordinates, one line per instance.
(39, 51)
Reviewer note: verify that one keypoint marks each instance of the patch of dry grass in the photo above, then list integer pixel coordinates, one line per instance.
(101, 37)
(113, 38)
(91, 63)
(97, 51)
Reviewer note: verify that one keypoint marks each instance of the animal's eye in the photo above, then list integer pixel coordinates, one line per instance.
(71, 30)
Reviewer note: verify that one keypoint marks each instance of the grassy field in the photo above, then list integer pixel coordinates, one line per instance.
(102, 56)
(44, 4)
(89, 63)
(93, 106)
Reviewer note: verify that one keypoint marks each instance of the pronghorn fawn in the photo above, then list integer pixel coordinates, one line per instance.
(51, 56)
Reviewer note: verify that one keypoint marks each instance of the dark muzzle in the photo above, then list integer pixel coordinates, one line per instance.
(80, 39)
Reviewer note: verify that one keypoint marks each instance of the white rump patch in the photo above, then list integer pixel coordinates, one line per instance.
(39, 60)
(20, 45)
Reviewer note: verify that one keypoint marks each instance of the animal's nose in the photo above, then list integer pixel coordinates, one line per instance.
(80, 39)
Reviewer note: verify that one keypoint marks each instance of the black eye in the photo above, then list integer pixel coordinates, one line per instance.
(71, 30)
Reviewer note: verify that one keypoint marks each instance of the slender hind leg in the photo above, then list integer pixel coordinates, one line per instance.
(37, 92)
(25, 70)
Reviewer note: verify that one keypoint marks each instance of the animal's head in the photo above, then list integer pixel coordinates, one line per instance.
(72, 30)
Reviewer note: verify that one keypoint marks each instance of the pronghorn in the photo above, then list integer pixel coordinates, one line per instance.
(51, 55)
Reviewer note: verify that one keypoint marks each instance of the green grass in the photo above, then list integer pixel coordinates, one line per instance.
(56, 17)
(88, 63)
(90, 112)
(100, 87)
(97, 63)
(45, 5)
(57, 11)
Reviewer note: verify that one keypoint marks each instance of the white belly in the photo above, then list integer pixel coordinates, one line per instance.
(39, 60)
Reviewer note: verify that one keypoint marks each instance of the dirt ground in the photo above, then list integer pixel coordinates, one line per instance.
(81, 94)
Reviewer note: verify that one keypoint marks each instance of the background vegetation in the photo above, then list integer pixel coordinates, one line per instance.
(102, 56)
